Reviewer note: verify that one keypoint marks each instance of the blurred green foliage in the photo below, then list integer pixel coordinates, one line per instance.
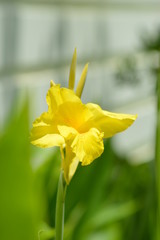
(151, 41)
(108, 200)
(127, 73)
(18, 206)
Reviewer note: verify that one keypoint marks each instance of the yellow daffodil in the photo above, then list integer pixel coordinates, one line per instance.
(77, 128)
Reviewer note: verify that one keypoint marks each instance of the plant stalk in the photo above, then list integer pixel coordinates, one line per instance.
(60, 207)
(158, 153)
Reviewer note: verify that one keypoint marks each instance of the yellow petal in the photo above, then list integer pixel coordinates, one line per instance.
(69, 164)
(68, 95)
(73, 114)
(48, 140)
(57, 96)
(53, 98)
(108, 122)
(45, 119)
(88, 146)
(67, 132)
(44, 134)
(73, 70)
(82, 80)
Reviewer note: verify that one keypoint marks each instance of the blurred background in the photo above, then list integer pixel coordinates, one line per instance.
(115, 197)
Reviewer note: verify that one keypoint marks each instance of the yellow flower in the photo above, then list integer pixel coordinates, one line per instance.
(75, 127)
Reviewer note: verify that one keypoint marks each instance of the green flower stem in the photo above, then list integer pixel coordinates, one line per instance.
(60, 207)
(158, 152)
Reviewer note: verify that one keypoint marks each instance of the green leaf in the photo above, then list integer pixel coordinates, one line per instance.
(18, 206)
